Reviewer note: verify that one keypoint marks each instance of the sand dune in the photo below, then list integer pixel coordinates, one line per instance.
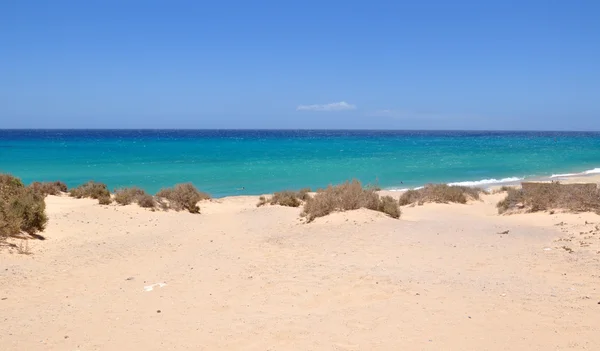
(238, 277)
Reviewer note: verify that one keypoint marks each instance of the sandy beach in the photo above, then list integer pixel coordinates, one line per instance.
(238, 277)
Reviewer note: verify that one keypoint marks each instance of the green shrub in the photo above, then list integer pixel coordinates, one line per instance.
(440, 193)
(345, 197)
(10, 222)
(29, 205)
(183, 197)
(21, 208)
(94, 190)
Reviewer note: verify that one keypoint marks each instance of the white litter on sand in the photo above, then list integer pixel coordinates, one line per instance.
(151, 287)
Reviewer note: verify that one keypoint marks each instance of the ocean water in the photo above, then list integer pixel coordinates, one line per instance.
(237, 162)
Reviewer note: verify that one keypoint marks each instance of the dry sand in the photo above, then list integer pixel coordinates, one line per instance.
(238, 277)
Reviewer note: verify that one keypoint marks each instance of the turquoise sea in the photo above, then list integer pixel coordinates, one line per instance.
(236, 162)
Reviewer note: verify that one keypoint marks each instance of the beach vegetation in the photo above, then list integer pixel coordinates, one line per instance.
(440, 193)
(22, 209)
(348, 196)
(286, 198)
(49, 188)
(146, 201)
(535, 197)
(262, 200)
(93, 190)
(126, 196)
(182, 197)
(390, 206)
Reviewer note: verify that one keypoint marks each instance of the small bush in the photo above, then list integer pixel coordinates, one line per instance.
(126, 196)
(146, 201)
(409, 197)
(262, 200)
(94, 190)
(303, 194)
(183, 197)
(10, 223)
(285, 198)
(29, 205)
(21, 208)
(105, 200)
(390, 206)
(49, 188)
(514, 199)
(345, 197)
(534, 197)
(440, 193)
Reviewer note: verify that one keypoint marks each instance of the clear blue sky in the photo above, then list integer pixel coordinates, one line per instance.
(303, 64)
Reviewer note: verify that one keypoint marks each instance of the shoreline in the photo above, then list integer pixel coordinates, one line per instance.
(486, 184)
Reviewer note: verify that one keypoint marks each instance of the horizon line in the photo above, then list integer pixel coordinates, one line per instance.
(301, 129)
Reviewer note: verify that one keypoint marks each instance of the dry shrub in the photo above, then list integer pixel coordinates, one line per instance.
(21, 208)
(94, 190)
(183, 197)
(49, 188)
(514, 199)
(303, 194)
(503, 189)
(440, 193)
(262, 200)
(534, 197)
(390, 206)
(286, 198)
(126, 196)
(345, 197)
(146, 201)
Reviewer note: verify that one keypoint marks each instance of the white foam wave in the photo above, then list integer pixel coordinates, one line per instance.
(588, 172)
(563, 175)
(593, 171)
(487, 182)
(404, 189)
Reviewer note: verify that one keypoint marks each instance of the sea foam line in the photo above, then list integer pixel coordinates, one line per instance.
(475, 183)
(493, 181)
(487, 181)
(588, 172)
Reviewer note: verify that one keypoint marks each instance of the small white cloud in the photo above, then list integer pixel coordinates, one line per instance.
(334, 106)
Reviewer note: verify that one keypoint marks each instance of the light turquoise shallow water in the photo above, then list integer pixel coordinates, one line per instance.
(224, 162)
